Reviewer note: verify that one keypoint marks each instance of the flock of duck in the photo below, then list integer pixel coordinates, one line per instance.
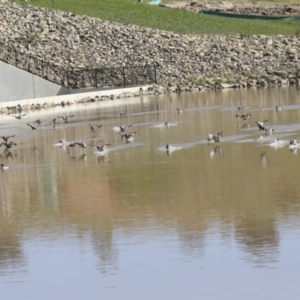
(103, 149)
(99, 149)
(277, 143)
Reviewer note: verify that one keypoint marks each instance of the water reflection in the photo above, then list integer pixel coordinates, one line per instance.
(11, 254)
(105, 248)
(263, 159)
(259, 239)
(237, 187)
(217, 151)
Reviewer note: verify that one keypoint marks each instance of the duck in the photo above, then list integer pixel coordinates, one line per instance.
(3, 167)
(269, 130)
(54, 123)
(6, 138)
(8, 145)
(217, 137)
(101, 148)
(80, 144)
(243, 116)
(210, 137)
(293, 145)
(66, 119)
(31, 126)
(121, 128)
(19, 117)
(261, 125)
(61, 143)
(38, 122)
(94, 127)
(214, 137)
(128, 136)
(293, 142)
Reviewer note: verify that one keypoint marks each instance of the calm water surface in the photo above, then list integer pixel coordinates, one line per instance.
(206, 221)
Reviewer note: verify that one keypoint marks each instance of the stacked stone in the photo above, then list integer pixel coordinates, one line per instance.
(76, 42)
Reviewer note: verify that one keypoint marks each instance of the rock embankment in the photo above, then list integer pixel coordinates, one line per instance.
(183, 61)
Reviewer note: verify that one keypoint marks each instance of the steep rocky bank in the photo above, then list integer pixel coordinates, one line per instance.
(183, 61)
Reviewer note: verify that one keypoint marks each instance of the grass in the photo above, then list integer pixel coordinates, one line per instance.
(179, 21)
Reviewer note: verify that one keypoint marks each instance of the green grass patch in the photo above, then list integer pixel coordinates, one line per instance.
(179, 21)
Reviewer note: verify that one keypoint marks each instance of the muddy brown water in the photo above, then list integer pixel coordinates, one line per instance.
(202, 221)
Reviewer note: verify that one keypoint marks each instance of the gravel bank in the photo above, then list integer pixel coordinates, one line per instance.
(184, 62)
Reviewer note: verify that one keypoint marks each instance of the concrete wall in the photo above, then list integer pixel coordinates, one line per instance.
(18, 84)
(54, 100)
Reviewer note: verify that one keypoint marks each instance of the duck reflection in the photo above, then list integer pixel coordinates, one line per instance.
(245, 125)
(7, 154)
(101, 158)
(263, 159)
(217, 151)
(80, 157)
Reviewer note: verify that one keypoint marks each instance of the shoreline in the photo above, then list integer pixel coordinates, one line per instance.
(109, 97)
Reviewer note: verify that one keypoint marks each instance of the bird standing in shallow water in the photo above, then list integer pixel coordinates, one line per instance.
(2, 167)
(215, 137)
(168, 147)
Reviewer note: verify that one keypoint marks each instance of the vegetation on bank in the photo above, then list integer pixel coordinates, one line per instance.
(141, 14)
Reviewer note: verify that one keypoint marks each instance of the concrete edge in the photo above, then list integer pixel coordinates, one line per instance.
(75, 98)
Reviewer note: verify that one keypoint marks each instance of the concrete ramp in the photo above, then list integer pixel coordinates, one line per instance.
(18, 84)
